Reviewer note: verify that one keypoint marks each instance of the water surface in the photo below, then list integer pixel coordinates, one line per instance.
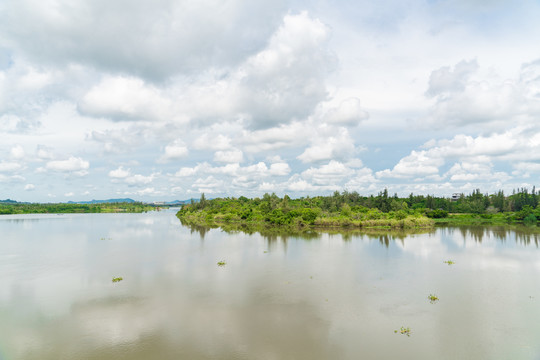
(279, 296)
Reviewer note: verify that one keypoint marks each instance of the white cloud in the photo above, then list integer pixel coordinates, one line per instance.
(324, 147)
(138, 179)
(467, 96)
(417, 164)
(126, 98)
(207, 142)
(152, 39)
(276, 138)
(44, 152)
(348, 113)
(229, 156)
(29, 187)
(446, 80)
(174, 151)
(9, 166)
(280, 169)
(330, 174)
(73, 164)
(119, 173)
(208, 185)
(286, 80)
(17, 152)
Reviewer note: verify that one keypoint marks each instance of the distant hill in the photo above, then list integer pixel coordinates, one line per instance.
(181, 202)
(8, 201)
(108, 201)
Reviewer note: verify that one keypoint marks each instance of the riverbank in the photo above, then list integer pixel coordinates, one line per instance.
(508, 218)
(295, 214)
(66, 208)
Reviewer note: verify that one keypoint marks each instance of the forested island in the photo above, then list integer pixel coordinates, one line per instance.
(12, 207)
(350, 209)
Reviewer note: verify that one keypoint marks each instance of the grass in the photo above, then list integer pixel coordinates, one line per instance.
(117, 279)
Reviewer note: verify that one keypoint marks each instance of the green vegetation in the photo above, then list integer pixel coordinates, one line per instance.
(404, 331)
(221, 263)
(339, 210)
(117, 279)
(449, 262)
(69, 208)
(351, 210)
(433, 298)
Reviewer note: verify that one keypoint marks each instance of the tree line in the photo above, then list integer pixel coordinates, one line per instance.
(521, 201)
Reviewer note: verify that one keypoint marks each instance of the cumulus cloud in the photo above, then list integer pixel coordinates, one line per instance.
(73, 164)
(446, 80)
(286, 80)
(126, 98)
(330, 174)
(417, 164)
(465, 96)
(29, 187)
(472, 157)
(348, 113)
(280, 169)
(138, 179)
(276, 138)
(17, 152)
(174, 151)
(153, 39)
(9, 166)
(119, 173)
(324, 148)
(44, 152)
(217, 142)
(229, 156)
(208, 185)
(475, 171)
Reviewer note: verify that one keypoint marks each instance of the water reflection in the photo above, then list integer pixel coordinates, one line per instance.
(302, 294)
(524, 235)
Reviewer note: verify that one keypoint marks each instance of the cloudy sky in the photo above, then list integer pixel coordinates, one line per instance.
(165, 99)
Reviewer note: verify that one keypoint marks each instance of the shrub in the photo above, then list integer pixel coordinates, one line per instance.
(437, 214)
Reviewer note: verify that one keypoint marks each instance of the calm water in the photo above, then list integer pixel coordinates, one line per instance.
(319, 296)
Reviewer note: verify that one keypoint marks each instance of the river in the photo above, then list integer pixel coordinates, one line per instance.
(318, 295)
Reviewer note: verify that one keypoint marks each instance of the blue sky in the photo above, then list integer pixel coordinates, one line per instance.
(163, 100)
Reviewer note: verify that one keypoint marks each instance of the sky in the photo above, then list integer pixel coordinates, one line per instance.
(159, 100)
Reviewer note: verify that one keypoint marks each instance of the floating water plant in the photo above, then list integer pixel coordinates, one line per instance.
(221, 263)
(117, 279)
(404, 331)
(433, 298)
(449, 262)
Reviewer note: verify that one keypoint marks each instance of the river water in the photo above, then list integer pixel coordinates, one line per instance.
(288, 296)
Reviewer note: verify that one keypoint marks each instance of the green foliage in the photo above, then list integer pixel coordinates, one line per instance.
(433, 298)
(530, 219)
(221, 263)
(117, 279)
(437, 214)
(69, 208)
(404, 331)
(353, 209)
